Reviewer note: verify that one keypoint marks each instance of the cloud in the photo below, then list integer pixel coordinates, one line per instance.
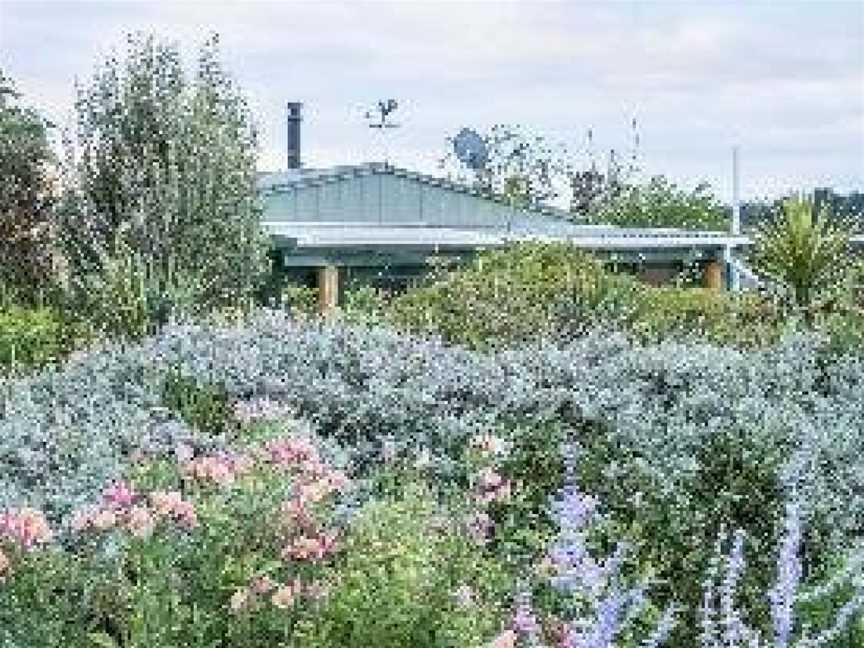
(785, 82)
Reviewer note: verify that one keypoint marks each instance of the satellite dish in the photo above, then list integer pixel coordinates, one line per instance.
(470, 149)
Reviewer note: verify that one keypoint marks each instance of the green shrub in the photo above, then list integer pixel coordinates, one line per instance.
(41, 601)
(515, 294)
(397, 578)
(536, 290)
(364, 303)
(203, 407)
(661, 203)
(743, 319)
(821, 612)
(300, 300)
(534, 464)
(29, 337)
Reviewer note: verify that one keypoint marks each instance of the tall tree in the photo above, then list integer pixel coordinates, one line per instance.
(163, 168)
(25, 195)
(520, 166)
(531, 170)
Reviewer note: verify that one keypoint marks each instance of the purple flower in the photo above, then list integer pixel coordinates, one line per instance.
(613, 612)
(782, 596)
(524, 621)
(574, 510)
(733, 627)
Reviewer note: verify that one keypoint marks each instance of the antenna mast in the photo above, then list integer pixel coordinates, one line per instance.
(634, 155)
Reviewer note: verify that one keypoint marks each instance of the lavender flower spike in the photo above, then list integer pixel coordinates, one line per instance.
(708, 638)
(782, 596)
(733, 627)
(524, 621)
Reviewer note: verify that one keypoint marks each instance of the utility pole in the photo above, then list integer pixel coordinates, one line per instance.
(734, 279)
(736, 198)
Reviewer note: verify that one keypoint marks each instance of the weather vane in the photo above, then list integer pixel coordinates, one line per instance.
(385, 108)
(378, 118)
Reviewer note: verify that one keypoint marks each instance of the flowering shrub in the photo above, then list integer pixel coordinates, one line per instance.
(26, 527)
(408, 577)
(678, 437)
(198, 547)
(729, 627)
(598, 610)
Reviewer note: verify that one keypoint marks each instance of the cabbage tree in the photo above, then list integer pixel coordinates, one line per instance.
(805, 255)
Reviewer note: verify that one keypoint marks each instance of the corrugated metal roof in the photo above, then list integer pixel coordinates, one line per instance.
(530, 223)
(299, 178)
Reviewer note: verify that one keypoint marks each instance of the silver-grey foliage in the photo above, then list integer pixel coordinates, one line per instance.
(62, 432)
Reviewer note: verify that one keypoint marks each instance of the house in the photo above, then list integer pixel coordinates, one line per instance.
(376, 223)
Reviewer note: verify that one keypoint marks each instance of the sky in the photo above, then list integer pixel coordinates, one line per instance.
(782, 80)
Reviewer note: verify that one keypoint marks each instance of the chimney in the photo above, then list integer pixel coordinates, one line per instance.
(294, 119)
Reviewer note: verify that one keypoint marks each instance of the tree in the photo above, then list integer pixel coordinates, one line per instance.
(163, 170)
(25, 196)
(661, 203)
(521, 167)
(528, 170)
(806, 256)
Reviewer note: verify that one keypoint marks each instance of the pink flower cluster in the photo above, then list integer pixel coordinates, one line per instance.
(308, 541)
(506, 639)
(282, 596)
(25, 526)
(491, 487)
(320, 486)
(223, 470)
(311, 547)
(122, 508)
(171, 504)
(292, 452)
(305, 540)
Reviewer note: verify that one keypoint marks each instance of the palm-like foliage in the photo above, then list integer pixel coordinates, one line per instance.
(806, 256)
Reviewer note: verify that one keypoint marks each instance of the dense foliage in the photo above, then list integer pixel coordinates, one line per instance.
(28, 337)
(162, 176)
(661, 203)
(680, 437)
(534, 291)
(26, 196)
(802, 252)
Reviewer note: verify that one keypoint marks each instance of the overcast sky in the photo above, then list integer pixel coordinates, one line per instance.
(784, 79)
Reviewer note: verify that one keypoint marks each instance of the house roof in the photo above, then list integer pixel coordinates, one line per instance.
(299, 178)
(537, 223)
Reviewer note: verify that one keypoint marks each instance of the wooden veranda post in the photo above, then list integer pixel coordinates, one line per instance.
(712, 275)
(328, 288)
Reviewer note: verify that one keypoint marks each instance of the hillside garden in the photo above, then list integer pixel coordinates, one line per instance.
(529, 451)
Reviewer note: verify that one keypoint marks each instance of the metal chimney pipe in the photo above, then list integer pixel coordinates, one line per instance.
(294, 120)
